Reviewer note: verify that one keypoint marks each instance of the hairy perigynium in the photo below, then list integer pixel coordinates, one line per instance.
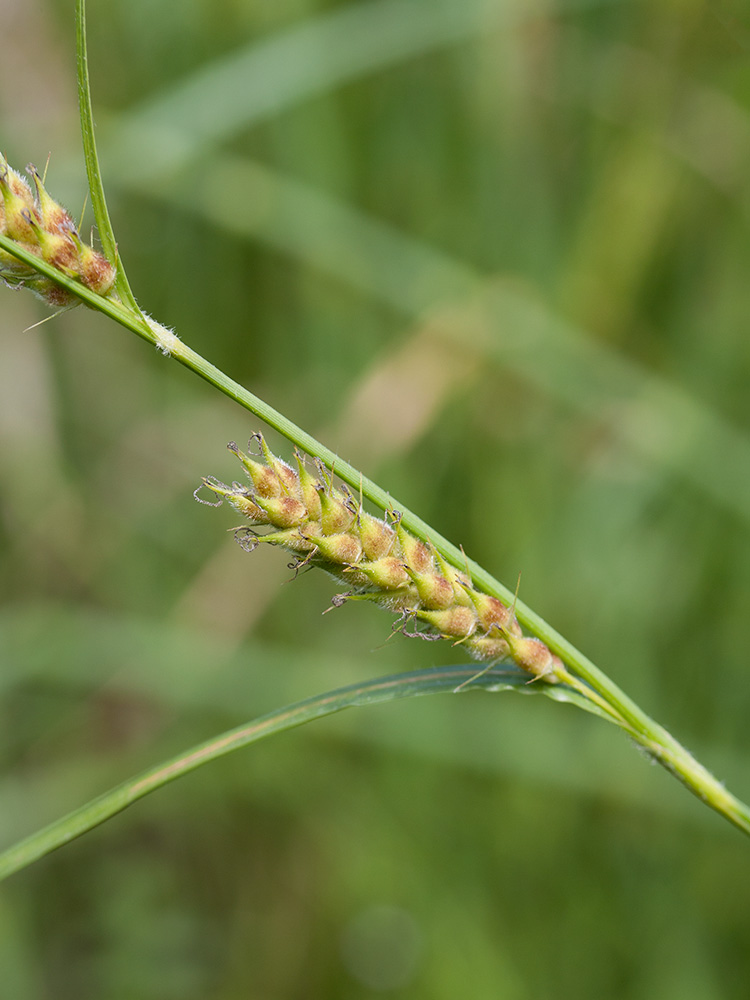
(376, 559)
(41, 226)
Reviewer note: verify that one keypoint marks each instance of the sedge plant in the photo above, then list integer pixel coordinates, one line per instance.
(315, 509)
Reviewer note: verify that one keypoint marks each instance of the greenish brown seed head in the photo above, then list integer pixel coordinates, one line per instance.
(39, 225)
(381, 563)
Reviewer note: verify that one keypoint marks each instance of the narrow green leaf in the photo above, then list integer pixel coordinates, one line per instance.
(93, 170)
(443, 680)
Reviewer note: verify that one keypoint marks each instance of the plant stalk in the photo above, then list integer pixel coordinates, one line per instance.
(656, 740)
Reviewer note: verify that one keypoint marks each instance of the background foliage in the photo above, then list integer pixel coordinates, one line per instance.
(495, 254)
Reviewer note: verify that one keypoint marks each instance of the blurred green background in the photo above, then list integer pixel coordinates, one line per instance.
(496, 255)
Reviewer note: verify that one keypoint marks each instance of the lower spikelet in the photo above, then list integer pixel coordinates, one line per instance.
(37, 224)
(323, 525)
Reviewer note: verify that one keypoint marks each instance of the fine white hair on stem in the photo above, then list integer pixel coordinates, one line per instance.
(165, 339)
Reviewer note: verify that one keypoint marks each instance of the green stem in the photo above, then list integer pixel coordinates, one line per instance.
(627, 710)
(643, 729)
(679, 762)
(93, 172)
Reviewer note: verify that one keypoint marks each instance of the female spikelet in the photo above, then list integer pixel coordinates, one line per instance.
(377, 559)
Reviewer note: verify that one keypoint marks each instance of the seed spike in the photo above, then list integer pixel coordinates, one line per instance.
(324, 525)
(43, 227)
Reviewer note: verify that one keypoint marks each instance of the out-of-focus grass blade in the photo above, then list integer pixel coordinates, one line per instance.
(653, 417)
(265, 78)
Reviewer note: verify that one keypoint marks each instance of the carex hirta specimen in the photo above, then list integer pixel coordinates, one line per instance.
(390, 561)
(378, 560)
